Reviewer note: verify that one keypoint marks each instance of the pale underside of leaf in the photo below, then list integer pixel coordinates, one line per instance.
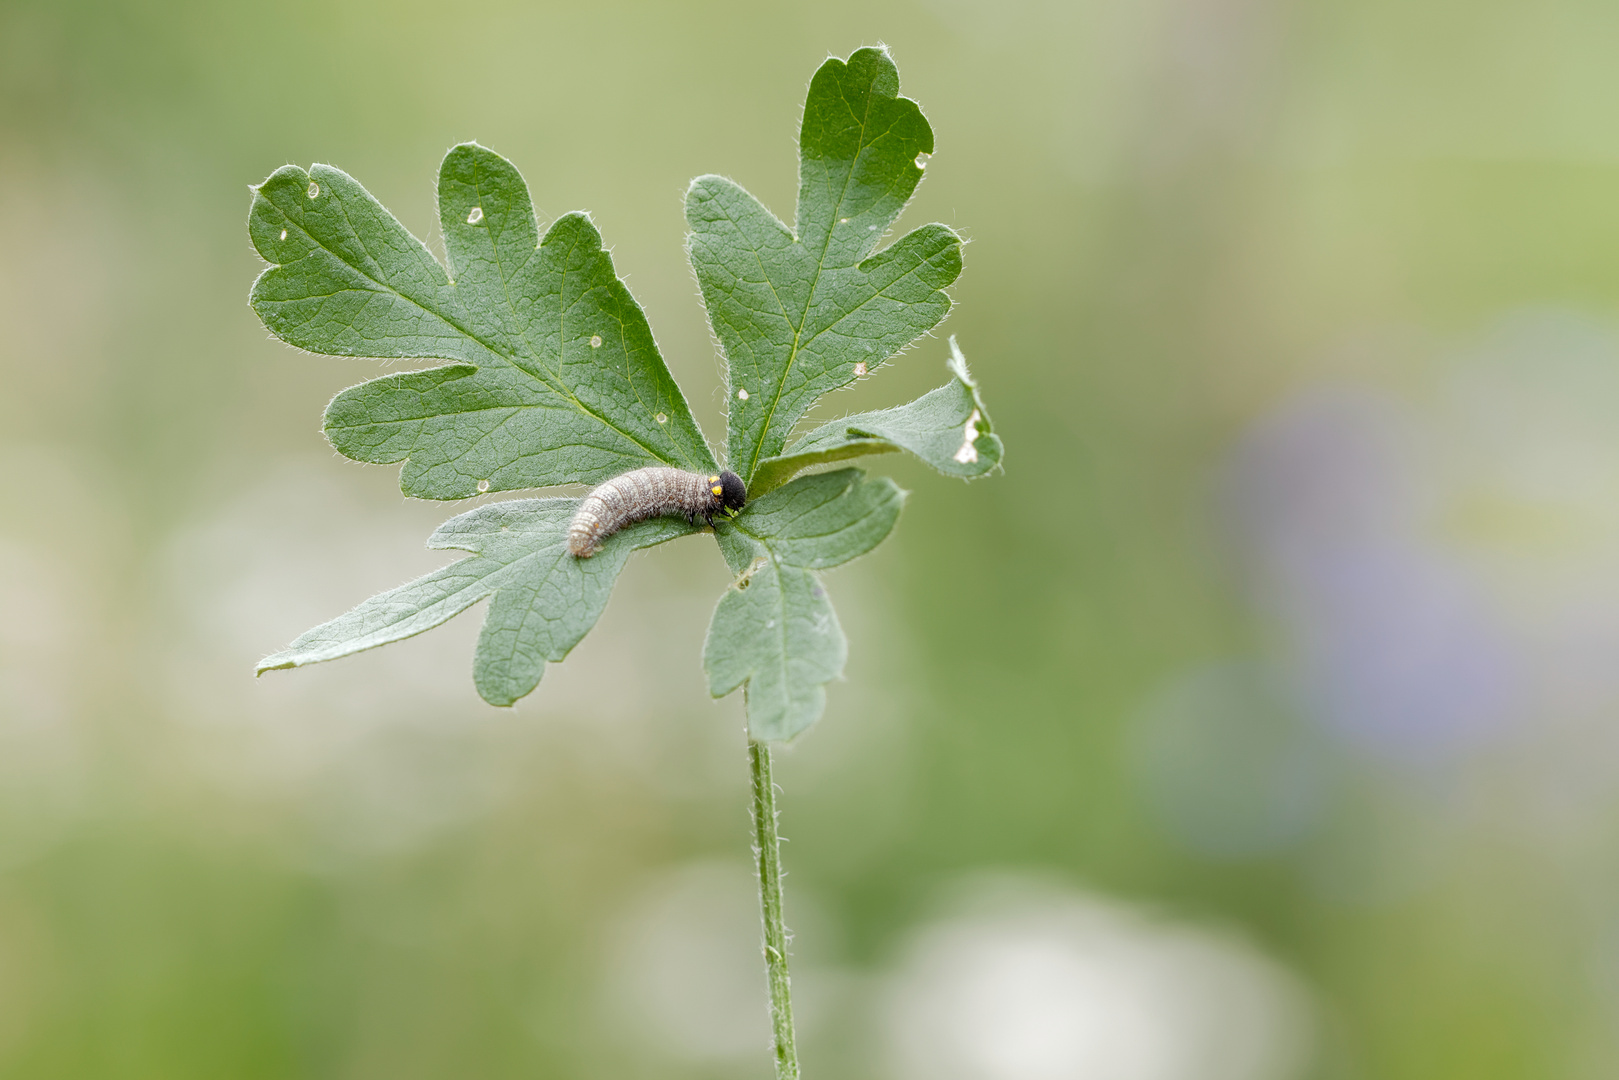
(774, 630)
(949, 428)
(543, 602)
(555, 376)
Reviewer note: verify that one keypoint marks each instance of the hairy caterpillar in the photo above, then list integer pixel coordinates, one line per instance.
(650, 492)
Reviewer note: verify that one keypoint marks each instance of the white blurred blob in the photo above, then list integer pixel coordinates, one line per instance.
(1032, 982)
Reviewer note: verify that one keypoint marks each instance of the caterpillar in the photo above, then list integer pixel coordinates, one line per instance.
(650, 492)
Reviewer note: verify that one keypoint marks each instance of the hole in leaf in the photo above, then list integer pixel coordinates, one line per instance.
(283, 234)
(483, 485)
(742, 395)
(968, 452)
(860, 368)
(922, 160)
(314, 190)
(595, 341)
(661, 418)
(758, 564)
(476, 215)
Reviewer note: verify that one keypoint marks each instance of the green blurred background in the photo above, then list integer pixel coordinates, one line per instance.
(1261, 722)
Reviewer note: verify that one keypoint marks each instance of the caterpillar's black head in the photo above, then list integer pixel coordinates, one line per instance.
(733, 492)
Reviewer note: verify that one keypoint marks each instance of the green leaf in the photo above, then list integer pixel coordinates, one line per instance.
(949, 428)
(774, 629)
(798, 311)
(556, 378)
(543, 599)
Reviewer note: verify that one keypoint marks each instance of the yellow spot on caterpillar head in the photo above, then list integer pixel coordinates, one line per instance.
(716, 489)
(713, 479)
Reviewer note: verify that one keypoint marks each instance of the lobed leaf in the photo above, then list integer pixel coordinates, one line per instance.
(948, 428)
(798, 310)
(774, 629)
(543, 600)
(556, 377)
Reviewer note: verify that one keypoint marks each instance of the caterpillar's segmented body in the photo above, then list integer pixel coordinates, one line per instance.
(651, 492)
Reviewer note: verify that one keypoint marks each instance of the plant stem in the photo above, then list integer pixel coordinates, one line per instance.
(767, 853)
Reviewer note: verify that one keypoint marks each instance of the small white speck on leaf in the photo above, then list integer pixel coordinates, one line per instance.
(595, 341)
(283, 234)
(843, 221)
(968, 452)
(476, 215)
(771, 625)
(314, 190)
(922, 160)
(871, 228)
(483, 485)
(860, 368)
(661, 418)
(742, 395)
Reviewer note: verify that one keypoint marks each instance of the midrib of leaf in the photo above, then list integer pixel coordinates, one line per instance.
(781, 598)
(543, 376)
(659, 406)
(505, 280)
(764, 272)
(809, 300)
(533, 609)
(562, 334)
(781, 618)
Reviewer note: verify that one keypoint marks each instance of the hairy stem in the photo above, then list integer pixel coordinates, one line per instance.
(767, 853)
